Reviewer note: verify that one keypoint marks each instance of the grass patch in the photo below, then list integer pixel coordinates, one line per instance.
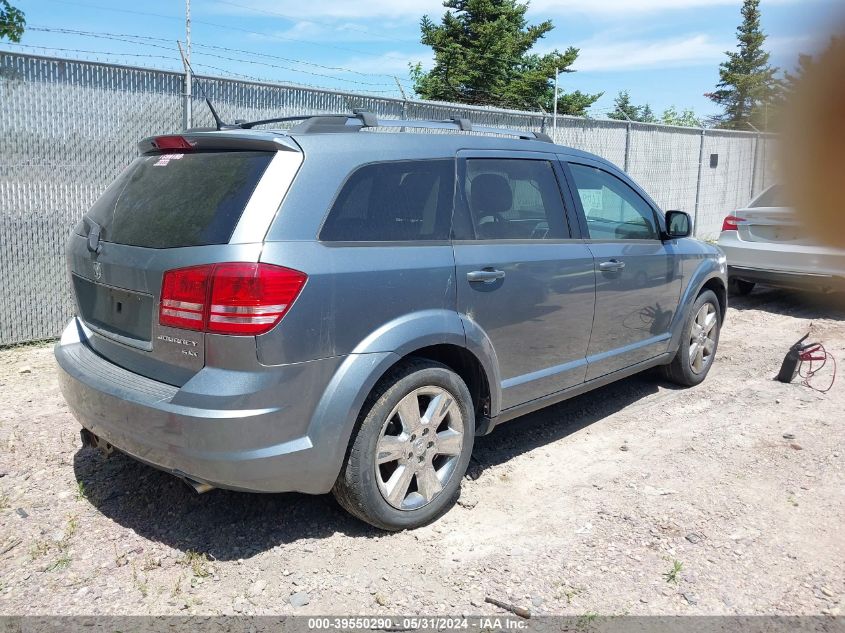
(674, 570)
(38, 549)
(62, 562)
(198, 563)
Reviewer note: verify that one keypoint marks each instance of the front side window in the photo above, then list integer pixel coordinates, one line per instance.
(614, 211)
(393, 202)
(514, 198)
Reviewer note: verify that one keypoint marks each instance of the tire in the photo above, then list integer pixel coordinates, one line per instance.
(416, 483)
(740, 287)
(689, 371)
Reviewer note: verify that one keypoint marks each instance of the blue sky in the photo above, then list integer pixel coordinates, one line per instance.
(664, 52)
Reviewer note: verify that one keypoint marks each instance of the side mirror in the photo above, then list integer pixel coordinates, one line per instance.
(678, 224)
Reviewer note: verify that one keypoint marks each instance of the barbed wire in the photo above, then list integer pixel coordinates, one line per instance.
(78, 50)
(274, 82)
(133, 39)
(228, 27)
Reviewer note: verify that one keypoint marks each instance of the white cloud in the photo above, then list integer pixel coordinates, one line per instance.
(607, 53)
(364, 13)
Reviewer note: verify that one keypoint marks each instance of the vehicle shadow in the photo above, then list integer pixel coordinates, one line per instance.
(229, 525)
(223, 524)
(556, 422)
(794, 303)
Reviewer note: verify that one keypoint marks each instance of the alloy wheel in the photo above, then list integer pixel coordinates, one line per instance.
(418, 448)
(702, 343)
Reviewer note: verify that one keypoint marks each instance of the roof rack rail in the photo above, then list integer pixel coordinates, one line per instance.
(359, 119)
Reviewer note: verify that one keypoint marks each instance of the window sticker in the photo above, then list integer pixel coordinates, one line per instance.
(164, 159)
(591, 198)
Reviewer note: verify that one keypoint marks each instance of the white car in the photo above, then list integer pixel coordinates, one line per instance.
(766, 243)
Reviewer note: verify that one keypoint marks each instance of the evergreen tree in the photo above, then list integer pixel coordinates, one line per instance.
(747, 83)
(482, 56)
(646, 115)
(12, 21)
(624, 110)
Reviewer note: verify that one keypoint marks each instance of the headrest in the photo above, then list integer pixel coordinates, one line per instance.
(491, 193)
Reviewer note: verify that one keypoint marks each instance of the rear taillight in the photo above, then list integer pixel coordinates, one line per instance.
(184, 296)
(730, 223)
(172, 144)
(230, 298)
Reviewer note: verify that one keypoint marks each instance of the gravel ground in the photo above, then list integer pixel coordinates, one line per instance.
(638, 498)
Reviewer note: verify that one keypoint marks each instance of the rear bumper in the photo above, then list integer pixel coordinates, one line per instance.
(231, 429)
(784, 261)
(798, 281)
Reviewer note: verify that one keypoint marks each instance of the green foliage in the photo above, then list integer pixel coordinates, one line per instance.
(482, 57)
(686, 118)
(12, 22)
(672, 574)
(747, 83)
(626, 111)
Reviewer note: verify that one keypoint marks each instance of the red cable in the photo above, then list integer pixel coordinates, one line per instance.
(813, 354)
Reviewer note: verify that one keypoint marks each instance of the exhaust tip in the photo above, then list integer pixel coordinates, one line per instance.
(199, 487)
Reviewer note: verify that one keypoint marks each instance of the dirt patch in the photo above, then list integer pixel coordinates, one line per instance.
(638, 498)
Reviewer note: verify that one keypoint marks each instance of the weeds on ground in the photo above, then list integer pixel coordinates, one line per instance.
(140, 585)
(198, 563)
(80, 491)
(60, 563)
(38, 549)
(150, 563)
(566, 591)
(177, 588)
(42, 548)
(672, 574)
(4, 502)
(584, 621)
(70, 530)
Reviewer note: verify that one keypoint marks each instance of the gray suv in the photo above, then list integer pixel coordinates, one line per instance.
(343, 306)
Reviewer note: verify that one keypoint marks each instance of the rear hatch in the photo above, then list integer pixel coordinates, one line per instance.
(208, 199)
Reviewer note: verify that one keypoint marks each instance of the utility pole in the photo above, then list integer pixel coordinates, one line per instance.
(554, 115)
(188, 109)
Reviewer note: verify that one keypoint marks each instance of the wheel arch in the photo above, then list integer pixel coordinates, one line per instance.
(706, 278)
(437, 335)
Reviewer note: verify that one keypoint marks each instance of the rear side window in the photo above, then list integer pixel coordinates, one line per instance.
(394, 202)
(173, 200)
(771, 197)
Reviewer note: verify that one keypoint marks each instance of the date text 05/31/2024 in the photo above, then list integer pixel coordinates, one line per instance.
(416, 623)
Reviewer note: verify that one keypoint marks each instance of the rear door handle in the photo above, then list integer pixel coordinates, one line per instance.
(612, 265)
(488, 275)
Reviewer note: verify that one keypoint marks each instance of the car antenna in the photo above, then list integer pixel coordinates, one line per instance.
(218, 122)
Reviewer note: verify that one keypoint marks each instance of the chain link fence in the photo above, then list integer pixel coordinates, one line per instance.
(68, 127)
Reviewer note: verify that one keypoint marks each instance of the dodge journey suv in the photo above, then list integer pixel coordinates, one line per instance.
(343, 306)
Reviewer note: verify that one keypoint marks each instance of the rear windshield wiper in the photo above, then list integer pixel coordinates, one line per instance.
(93, 235)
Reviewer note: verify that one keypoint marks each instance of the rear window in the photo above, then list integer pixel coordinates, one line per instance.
(172, 200)
(393, 202)
(772, 197)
